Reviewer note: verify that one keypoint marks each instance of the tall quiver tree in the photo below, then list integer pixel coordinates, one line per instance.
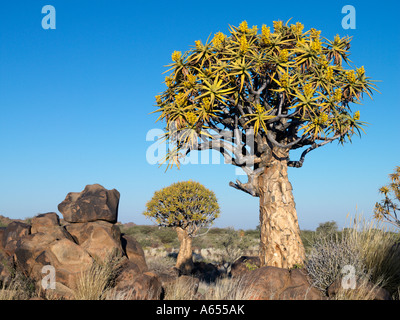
(186, 206)
(255, 95)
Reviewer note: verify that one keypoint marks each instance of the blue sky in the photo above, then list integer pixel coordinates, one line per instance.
(75, 104)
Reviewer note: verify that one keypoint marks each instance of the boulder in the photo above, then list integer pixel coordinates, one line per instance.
(60, 292)
(6, 267)
(147, 287)
(44, 222)
(140, 286)
(92, 204)
(2, 230)
(37, 250)
(244, 264)
(272, 283)
(14, 232)
(49, 224)
(100, 239)
(134, 251)
(71, 261)
(299, 288)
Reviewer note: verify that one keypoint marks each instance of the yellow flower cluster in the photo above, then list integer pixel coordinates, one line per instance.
(337, 96)
(316, 45)
(297, 28)
(243, 27)
(323, 61)
(198, 44)
(277, 25)
(284, 80)
(206, 103)
(321, 120)
(324, 118)
(361, 71)
(284, 55)
(158, 100)
(308, 90)
(350, 76)
(191, 81)
(181, 99)
(265, 34)
(259, 108)
(191, 117)
(329, 73)
(356, 115)
(337, 39)
(314, 33)
(244, 46)
(169, 81)
(302, 41)
(191, 78)
(176, 55)
(218, 39)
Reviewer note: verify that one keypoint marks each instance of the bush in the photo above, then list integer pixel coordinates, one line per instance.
(234, 244)
(329, 256)
(374, 252)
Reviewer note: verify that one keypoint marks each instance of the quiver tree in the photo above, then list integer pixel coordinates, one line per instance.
(186, 206)
(254, 96)
(389, 208)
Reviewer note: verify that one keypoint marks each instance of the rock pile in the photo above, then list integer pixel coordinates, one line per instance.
(271, 283)
(88, 233)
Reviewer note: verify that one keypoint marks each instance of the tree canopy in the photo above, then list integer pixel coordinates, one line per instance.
(389, 207)
(261, 88)
(187, 204)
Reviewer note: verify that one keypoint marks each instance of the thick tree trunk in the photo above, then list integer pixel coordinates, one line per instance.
(184, 261)
(280, 244)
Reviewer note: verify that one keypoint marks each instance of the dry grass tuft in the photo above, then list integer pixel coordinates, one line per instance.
(98, 280)
(229, 289)
(181, 290)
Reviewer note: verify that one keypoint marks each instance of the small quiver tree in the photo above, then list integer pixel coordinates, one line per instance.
(186, 206)
(389, 207)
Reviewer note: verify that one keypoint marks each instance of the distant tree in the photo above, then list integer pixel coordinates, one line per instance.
(388, 209)
(234, 243)
(254, 96)
(186, 206)
(327, 228)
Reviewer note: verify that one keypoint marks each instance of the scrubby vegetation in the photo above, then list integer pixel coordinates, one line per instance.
(369, 246)
(215, 244)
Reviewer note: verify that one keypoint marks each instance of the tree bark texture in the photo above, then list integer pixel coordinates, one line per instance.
(184, 261)
(280, 242)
